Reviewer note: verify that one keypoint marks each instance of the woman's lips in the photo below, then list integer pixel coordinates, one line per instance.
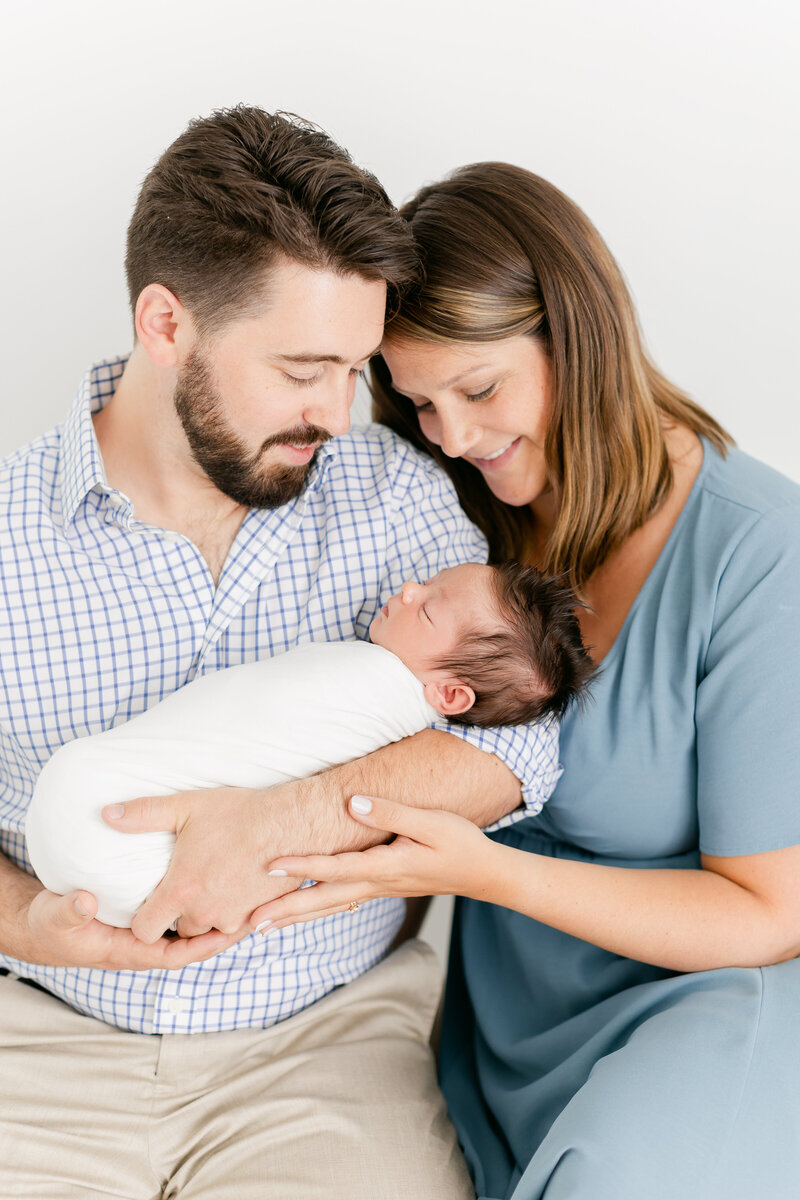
(493, 464)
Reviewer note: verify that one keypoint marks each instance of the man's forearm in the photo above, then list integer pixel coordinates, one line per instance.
(226, 837)
(17, 889)
(432, 769)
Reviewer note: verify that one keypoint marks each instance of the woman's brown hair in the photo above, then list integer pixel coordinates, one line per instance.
(505, 253)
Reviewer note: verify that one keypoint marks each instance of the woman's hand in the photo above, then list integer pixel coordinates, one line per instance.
(434, 853)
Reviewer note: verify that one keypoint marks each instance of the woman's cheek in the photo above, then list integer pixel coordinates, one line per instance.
(430, 428)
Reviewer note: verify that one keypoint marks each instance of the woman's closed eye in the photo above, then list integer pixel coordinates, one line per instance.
(484, 395)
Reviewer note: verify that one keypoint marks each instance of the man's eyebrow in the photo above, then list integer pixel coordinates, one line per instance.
(311, 356)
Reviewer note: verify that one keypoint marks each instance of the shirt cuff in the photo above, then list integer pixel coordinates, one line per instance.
(530, 751)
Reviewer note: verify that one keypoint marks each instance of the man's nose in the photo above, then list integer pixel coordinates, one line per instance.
(330, 409)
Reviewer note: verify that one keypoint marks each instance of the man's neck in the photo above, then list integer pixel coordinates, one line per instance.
(147, 458)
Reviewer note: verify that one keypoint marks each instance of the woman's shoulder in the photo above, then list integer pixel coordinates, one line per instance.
(744, 483)
(746, 525)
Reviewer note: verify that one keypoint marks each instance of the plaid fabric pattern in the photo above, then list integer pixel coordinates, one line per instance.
(103, 615)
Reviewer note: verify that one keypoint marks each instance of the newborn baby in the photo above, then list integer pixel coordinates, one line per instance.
(485, 645)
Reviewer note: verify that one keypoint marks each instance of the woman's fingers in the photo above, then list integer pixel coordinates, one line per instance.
(306, 904)
(415, 823)
(419, 825)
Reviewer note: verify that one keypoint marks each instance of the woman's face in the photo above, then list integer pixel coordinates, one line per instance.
(486, 402)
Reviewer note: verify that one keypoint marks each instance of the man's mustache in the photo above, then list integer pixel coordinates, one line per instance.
(300, 435)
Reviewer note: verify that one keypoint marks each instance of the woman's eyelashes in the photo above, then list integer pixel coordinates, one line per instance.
(484, 395)
(427, 405)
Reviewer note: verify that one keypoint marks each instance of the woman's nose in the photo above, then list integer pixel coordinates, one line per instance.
(458, 435)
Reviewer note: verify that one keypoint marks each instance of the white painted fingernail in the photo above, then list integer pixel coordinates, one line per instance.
(361, 804)
(262, 926)
(278, 872)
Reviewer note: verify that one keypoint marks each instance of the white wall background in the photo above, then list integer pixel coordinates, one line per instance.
(673, 124)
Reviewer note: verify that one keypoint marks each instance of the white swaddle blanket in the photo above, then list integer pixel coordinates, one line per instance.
(252, 725)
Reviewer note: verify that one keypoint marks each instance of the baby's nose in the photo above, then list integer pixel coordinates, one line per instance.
(408, 591)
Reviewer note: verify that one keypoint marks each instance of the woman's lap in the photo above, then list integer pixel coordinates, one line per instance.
(698, 1099)
(690, 1089)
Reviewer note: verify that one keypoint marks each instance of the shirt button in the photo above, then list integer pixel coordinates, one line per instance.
(177, 1005)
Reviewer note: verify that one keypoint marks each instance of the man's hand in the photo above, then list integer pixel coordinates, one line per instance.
(225, 837)
(60, 931)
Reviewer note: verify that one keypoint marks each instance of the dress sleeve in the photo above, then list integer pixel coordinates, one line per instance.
(748, 698)
(430, 532)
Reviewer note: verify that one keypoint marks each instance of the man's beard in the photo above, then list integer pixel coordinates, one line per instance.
(222, 455)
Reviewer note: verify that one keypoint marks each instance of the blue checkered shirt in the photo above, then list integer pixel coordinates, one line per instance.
(104, 615)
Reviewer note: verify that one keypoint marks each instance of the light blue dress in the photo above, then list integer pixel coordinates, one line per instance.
(573, 1072)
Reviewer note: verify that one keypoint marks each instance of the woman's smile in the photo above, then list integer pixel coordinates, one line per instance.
(496, 460)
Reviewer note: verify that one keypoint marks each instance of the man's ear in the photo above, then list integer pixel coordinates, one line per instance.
(163, 325)
(450, 698)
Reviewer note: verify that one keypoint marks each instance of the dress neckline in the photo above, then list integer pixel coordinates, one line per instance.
(662, 555)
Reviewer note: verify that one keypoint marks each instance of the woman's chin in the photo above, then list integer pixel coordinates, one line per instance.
(516, 494)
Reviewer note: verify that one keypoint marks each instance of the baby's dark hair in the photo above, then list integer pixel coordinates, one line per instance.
(534, 666)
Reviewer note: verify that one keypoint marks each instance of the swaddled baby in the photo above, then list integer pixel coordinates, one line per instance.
(480, 644)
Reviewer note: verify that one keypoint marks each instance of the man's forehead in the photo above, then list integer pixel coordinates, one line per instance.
(308, 316)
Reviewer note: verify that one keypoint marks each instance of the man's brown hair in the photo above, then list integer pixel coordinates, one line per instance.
(536, 664)
(239, 188)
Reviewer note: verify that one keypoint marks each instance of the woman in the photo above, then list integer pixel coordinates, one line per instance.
(621, 1016)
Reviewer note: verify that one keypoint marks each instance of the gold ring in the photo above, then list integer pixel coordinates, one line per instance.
(353, 906)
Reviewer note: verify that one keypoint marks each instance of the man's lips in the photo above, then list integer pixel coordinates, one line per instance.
(497, 461)
(299, 455)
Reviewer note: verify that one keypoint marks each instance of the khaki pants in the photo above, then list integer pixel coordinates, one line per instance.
(339, 1101)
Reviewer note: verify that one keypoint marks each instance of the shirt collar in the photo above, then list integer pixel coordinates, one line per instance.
(82, 469)
(81, 465)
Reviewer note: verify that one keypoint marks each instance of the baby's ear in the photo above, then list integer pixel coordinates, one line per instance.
(450, 699)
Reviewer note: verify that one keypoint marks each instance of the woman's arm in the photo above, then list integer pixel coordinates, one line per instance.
(734, 912)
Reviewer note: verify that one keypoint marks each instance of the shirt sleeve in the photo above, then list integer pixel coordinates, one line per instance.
(431, 532)
(748, 699)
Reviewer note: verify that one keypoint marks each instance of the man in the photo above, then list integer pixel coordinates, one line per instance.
(192, 513)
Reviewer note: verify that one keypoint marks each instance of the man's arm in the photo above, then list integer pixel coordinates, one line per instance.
(227, 836)
(36, 926)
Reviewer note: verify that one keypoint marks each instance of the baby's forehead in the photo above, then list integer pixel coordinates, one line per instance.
(455, 580)
(469, 588)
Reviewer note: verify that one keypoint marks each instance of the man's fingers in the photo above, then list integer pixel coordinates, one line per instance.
(154, 918)
(68, 912)
(188, 929)
(179, 952)
(146, 815)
